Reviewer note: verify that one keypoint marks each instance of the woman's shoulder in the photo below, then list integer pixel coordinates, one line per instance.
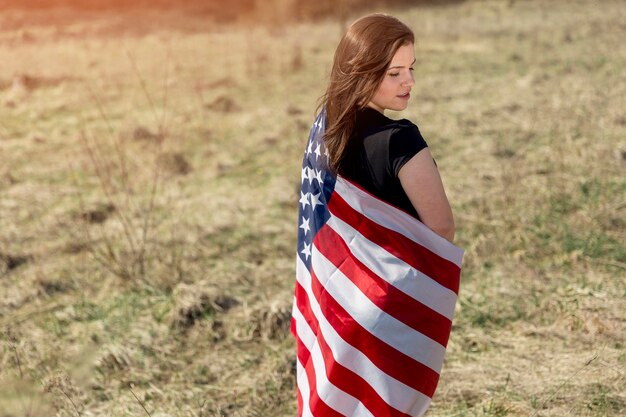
(370, 121)
(404, 129)
(405, 139)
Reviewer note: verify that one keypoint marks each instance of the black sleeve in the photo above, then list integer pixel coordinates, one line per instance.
(404, 144)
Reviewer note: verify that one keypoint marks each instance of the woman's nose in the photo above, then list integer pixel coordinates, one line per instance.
(409, 80)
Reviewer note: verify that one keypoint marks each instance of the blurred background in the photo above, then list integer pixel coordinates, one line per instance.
(150, 159)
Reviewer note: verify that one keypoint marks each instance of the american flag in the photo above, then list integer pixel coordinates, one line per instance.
(374, 298)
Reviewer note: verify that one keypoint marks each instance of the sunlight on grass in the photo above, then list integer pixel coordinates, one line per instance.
(148, 203)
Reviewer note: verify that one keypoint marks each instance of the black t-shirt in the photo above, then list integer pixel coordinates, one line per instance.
(378, 148)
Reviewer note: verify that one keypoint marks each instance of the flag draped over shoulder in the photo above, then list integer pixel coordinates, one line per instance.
(374, 299)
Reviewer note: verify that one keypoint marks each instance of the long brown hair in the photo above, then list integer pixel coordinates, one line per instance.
(361, 61)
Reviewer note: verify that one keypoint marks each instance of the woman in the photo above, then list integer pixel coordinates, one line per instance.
(373, 72)
(377, 274)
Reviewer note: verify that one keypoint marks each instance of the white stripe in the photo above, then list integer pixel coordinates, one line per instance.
(378, 322)
(395, 271)
(303, 330)
(394, 392)
(303, 387)
(395, 219)
(336, 399)
(330, 394)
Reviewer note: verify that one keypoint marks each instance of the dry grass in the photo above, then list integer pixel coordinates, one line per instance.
(521, 102)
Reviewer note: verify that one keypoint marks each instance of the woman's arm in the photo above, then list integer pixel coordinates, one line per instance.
(421, 182)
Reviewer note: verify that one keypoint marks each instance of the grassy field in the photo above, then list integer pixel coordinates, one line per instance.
(149, 168)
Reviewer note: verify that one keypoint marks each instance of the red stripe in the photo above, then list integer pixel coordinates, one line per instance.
(340, 376)
(437, 268)
(302, 301)
(391, 361)
(317, 406)
(387, 297)
(293, 327)
(353, 384)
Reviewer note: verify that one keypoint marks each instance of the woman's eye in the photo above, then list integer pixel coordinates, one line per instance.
(394, 74)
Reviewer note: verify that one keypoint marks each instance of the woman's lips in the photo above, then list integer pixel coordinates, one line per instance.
(405, 96)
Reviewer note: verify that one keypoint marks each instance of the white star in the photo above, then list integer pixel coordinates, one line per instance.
(305, 174)
(304, 199)
(317, 124)
(309, 149)
(317, 152)
(311, 175)
(317, 175)
(315, 200)
(306, 251)
(305, 225)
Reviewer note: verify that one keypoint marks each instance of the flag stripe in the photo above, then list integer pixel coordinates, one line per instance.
(390, 390)
(303, 390)
(390, 361)
(396, 272)
(370, 318)
(320, 403)
(304, 306)
(339, 401)
(298, 394)
(419, 257)
(325, 399)
(309, 390)
(395, 219)
(387, 297)
(351, 383)
(355, 385)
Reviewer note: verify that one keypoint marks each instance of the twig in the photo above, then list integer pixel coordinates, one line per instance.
(17, 360)
(562, 384)
(25, 316)
(147, 224)
(69, 397)
(116, 144)
(130, 387)
(103, 176)
(142, 82)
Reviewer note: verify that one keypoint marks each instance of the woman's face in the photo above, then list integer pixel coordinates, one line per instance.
(394, 91)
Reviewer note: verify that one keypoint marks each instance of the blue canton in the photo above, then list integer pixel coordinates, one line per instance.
(318, 183)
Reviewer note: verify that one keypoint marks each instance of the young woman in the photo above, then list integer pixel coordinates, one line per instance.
(377, 274)
(373, 72)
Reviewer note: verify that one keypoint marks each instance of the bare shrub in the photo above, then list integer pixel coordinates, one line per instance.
(193, 302)
(67, 396)
(133, 205)
(266, 322)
